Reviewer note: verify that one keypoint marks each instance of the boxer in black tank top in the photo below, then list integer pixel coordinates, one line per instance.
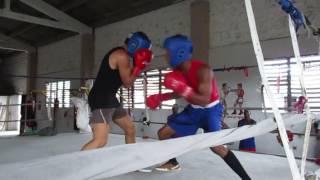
(116, 71)
(106, 85)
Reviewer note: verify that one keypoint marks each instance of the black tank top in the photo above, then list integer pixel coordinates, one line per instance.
(106, 85)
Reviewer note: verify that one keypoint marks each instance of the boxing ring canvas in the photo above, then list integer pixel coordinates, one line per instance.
(200, 164)
(121, 159)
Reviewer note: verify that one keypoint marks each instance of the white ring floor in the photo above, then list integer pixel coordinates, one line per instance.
(199, 165)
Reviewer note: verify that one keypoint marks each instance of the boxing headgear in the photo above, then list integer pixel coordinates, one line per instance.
(180, 49)
(136, 41)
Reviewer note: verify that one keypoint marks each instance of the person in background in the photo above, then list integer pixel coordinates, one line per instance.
(249, 144)
(299, 105)
(224, 93)
(239, 101)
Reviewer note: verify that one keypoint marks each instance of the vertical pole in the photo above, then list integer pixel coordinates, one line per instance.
(200, 28)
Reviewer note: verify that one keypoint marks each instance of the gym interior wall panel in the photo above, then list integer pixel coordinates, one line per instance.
(229, 24)
(230, 40)
(157, 24)
(17, 65)
(61, 59)
(200, 28)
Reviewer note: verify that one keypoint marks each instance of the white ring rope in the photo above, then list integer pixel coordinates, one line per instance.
(260, 60)
(263, 102)
(297, 55)
(49, 112)
(145, 98)
(2, 117)
(117, 160)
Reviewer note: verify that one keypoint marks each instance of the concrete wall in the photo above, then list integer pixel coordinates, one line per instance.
(157, 24)
(231, 46)
(60, 59)
(231, 42)
(17, 64)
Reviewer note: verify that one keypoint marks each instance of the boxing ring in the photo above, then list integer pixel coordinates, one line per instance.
(200, 164)
(121, 159)
(128, 158)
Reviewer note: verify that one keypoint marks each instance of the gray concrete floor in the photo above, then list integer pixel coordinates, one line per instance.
(199, 165)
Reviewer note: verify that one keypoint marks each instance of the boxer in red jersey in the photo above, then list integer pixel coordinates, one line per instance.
(239, 100)
(194, 81)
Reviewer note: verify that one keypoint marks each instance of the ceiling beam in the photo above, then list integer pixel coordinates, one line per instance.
(64, 21)
(72, 4)
(54, 13)
(21, 30)
(65, 7)
(40, 21)
(138, 9)
(7, 42)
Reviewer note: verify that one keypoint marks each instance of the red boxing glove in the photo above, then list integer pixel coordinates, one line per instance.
(317, 161)
(155, 100)
(176, 81)
(142, 58)
(240, 92)
(246, 72)
(289, 134)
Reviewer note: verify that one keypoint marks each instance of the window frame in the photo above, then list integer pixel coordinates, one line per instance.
(133, 97)
(292, 82)
(53, 90)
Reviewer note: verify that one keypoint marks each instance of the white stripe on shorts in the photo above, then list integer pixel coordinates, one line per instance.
(104, 119)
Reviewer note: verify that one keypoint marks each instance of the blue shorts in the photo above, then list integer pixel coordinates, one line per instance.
(247, 143)
(191, 119)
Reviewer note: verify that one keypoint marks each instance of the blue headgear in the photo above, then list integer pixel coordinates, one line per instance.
(180, 49)
(136, 41)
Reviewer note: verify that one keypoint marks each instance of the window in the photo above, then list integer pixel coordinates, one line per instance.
(283, 79)
(58, 90)
(125, 97)
(134, 97)
(311, 65)
(276, 72)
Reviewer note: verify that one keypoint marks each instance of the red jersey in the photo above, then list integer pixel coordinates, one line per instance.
(192, 80)
(240, 93)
